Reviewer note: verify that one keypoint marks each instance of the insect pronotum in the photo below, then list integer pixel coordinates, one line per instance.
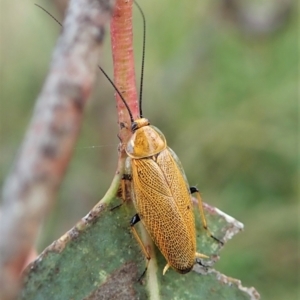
(160, 190)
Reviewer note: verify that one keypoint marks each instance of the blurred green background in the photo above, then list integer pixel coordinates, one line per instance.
(221, 83)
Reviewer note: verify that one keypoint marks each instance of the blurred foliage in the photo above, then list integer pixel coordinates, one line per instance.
(226, 101)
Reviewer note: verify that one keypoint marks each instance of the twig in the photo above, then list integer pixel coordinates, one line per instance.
(123, 60)
(31, 187)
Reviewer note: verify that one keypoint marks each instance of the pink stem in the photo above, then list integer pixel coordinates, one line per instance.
(124, 74)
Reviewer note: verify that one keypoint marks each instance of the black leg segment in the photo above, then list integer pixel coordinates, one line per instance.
(193, 190)
(135, 219)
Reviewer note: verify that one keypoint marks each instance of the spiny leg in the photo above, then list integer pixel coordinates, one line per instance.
(117, 206)
(202, 215)
(135, 219)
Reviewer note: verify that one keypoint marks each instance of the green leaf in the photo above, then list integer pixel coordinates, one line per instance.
(100, 259)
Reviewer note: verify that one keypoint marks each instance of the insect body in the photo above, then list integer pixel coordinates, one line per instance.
(161, 195)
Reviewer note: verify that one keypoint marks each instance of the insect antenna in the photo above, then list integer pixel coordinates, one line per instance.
(143, 58)
(119, 93)
(47, 12)
(104, 73)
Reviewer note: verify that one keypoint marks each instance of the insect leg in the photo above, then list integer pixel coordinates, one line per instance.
(125, 185)
(201, 210)
(135, 219)
(199, 262)
(200, 255)
(122, 191)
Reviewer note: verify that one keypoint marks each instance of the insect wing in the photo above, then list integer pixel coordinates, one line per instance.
(178, 184)
(180, 167)
(162, 200)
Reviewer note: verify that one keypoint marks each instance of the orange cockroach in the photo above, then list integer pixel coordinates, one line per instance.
(160, 192)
